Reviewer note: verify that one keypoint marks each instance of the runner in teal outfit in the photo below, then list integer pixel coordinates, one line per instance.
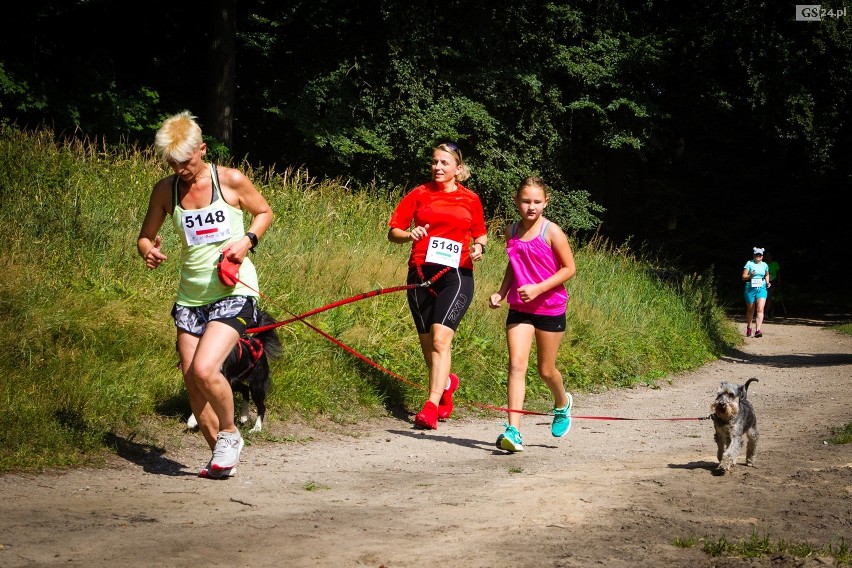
(757, 282)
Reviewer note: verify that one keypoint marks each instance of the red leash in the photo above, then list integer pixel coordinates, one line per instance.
(359, 355)
(619, 418)
(575, 416)
(364, 358)
(349, 300)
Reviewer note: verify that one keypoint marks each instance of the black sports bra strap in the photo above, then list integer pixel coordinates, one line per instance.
(217, 189)
(214, 191)
(175, 192)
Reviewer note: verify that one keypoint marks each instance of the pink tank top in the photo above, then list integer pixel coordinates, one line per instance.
(533, 262)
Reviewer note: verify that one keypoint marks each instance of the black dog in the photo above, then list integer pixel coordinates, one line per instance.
(247, 369)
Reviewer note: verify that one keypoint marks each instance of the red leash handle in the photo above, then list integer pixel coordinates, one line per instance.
(228, 271)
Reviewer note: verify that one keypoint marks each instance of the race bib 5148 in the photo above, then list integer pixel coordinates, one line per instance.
(208, 225)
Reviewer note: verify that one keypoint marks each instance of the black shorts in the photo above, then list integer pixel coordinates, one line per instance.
(445, 302)
(543, 323)
(238, 312)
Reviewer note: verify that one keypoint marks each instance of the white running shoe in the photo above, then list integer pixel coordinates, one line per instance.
(226, 454)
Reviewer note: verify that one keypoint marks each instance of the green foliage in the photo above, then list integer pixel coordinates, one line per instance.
(373, 113)
(573, 210)
(761, 546)
(633, 107)
(90, 350)
(841, 435)
(685, 542)
(845, 328)
(217, 151)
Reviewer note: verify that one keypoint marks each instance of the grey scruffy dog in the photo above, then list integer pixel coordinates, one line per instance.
(733, 417)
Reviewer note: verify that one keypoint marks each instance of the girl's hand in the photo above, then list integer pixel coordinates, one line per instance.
(528, 292)
(494, 301)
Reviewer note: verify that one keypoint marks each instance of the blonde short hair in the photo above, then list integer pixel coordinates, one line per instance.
(178, 138)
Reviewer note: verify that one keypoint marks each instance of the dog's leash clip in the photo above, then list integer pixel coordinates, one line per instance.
(432, 280)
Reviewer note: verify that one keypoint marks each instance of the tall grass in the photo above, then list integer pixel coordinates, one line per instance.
(88, 347)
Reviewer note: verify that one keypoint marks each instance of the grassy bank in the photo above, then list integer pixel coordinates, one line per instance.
(88, 349)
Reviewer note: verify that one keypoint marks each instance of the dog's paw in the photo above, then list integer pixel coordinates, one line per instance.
(258, 426)
(191, 423)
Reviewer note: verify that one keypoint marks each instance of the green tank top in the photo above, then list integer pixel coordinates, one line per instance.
(204, 233)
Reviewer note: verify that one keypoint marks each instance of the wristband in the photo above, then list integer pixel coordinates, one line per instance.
(253, 238)
(482, 245)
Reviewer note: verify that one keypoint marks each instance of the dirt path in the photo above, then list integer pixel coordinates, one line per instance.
(612, 493)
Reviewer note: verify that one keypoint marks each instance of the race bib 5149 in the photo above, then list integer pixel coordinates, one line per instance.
(444, 251)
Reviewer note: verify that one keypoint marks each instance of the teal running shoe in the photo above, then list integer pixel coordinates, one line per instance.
(510, 440)
(562, 419)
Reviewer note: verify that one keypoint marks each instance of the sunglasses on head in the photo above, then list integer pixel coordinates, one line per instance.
(450, 146)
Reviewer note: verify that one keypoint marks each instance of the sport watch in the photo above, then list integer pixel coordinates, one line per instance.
(253, 238)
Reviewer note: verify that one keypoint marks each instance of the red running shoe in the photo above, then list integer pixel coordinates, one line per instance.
(427, 419)
(445, 406)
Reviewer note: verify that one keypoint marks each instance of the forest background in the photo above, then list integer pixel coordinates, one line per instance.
(690, 131)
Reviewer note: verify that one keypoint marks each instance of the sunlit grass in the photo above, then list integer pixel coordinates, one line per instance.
(843, 328)
(841, 435)
(762, 546)
(89, 345)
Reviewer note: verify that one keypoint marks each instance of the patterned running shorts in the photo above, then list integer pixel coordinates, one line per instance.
(238, 312)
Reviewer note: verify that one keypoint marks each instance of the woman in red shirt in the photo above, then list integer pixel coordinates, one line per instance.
(440, 219)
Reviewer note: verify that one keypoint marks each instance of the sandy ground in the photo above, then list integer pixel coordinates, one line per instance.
(611, 493)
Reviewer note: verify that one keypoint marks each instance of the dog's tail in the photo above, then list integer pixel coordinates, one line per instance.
(269, 338)
(745, 387)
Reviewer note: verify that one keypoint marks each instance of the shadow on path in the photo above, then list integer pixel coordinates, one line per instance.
(150, 458)
(801, 360)
(464, 442)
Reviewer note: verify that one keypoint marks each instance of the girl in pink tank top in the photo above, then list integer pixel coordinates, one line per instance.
(540, 262)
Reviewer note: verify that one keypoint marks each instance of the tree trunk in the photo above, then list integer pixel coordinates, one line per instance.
(222, 71)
